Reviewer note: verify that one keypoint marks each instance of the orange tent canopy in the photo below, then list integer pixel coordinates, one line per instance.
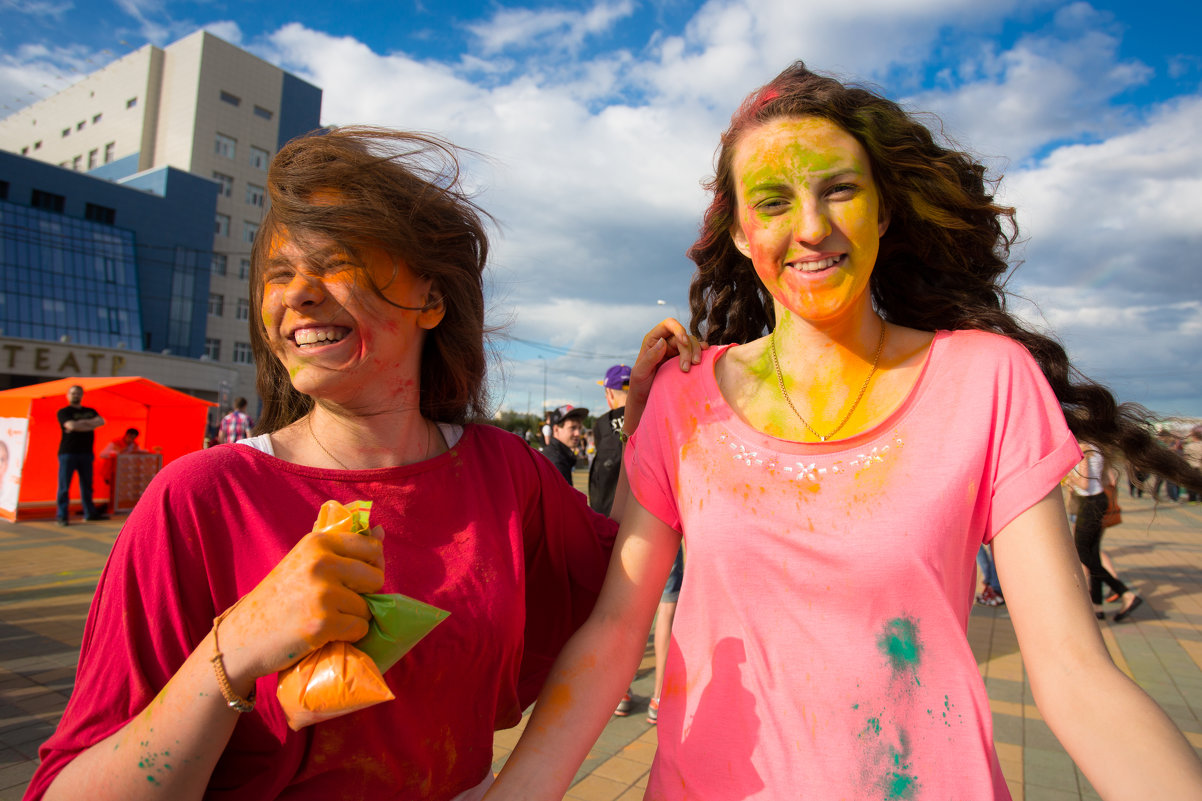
(169, 420)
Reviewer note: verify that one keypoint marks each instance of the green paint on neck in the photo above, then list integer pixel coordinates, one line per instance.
(899, 642)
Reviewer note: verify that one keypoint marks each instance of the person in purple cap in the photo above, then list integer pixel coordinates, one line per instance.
(567, 424)
(603, 473)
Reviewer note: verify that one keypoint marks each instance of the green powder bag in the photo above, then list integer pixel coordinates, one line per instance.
(398, 623)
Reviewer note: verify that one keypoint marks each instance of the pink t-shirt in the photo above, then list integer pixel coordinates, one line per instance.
(487, 531)
(819, 646)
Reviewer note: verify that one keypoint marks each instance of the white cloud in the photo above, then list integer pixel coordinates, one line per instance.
(226, 29)
(1048, 88)
(1112, 256)
(36, 71)
(559, 30)
(42, 8)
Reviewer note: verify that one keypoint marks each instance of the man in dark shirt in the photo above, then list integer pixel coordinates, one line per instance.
(75, 452)
(567, 424)
(607, 462)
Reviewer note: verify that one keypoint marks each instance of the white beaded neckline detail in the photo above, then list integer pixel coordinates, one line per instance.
(811, 471)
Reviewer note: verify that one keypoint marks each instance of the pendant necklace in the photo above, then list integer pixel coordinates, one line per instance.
(341, 464)
(780, 381)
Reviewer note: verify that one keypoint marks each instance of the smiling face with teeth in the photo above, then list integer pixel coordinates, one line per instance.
(809, 216)
(338, 321)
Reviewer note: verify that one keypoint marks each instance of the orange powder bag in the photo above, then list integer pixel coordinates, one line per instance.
(337, 678)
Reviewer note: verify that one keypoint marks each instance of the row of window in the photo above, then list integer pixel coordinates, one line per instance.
(217, 307)
(221, 227)
(234, 100)
(76, 163)
(61, 314)
(79, 126)
(220, 266)
(49, 201)
(255, 194)
(227, 146)
(241, 351)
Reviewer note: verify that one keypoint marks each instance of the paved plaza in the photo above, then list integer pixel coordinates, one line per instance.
(48, 574)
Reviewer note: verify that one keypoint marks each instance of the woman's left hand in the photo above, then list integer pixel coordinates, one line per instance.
(667, 340)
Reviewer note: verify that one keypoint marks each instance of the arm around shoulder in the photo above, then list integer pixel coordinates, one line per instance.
(1123, 742)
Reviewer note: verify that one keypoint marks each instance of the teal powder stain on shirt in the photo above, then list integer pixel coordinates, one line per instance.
(898, 641)
(901, 786)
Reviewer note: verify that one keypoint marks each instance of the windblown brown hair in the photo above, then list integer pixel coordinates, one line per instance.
(941, 263)
(400, 192)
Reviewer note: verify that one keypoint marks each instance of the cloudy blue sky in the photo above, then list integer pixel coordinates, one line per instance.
(599, 121)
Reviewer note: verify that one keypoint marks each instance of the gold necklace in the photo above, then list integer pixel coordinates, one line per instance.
(780, 381)
(341, 464)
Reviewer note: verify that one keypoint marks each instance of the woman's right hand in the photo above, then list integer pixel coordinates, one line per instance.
(312, 597)
(666, 340)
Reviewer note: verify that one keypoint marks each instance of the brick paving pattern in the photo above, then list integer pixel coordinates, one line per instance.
(48, 574)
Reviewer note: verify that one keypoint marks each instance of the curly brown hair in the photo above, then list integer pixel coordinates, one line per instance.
(400, 192)
(941, 264)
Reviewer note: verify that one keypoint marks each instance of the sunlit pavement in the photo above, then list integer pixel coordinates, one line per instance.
(48, 574)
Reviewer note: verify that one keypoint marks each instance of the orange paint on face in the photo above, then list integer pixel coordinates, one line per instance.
(809, 215)
(326, 323)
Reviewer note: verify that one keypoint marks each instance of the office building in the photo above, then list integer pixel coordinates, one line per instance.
(200, 105)
(102, 278)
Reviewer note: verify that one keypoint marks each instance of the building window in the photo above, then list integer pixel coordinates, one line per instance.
(47, 201)
(227, 184)
(216, 304)
(3, 190)
(25, 150)
(96, 118)
(233, 100)
(213, 349)
(259, 157)
(100, 214)
(219, 263)
(244, 269)
(242, 309)
(242, 353)
(79, 125)
(37, 145)
(133, 101)
(249, 229)
(255, 195)
(226, 146)
(264, 113)
(222, 228)
(108, 151)
(93, 156)
(76, 163)
(66, 132)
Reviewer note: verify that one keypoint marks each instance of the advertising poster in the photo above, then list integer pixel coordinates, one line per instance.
(14, 433)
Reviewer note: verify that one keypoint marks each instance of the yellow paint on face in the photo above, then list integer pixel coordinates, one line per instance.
(809, 215)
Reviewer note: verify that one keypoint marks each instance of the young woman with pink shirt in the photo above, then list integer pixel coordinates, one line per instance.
(868, 414)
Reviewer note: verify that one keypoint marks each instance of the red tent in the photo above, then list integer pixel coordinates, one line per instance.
(169, 421)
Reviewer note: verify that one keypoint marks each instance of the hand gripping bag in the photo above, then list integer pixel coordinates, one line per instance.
(340, 678)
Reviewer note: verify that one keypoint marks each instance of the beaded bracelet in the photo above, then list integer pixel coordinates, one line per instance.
(235, 701)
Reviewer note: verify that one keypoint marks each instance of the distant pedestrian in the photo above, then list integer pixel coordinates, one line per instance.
(126, 443)
(1192, 451)
(75, 454)
(236, 425)
(567, 425)
(607, 437)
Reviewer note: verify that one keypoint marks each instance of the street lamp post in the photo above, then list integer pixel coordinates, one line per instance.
(544, 361)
